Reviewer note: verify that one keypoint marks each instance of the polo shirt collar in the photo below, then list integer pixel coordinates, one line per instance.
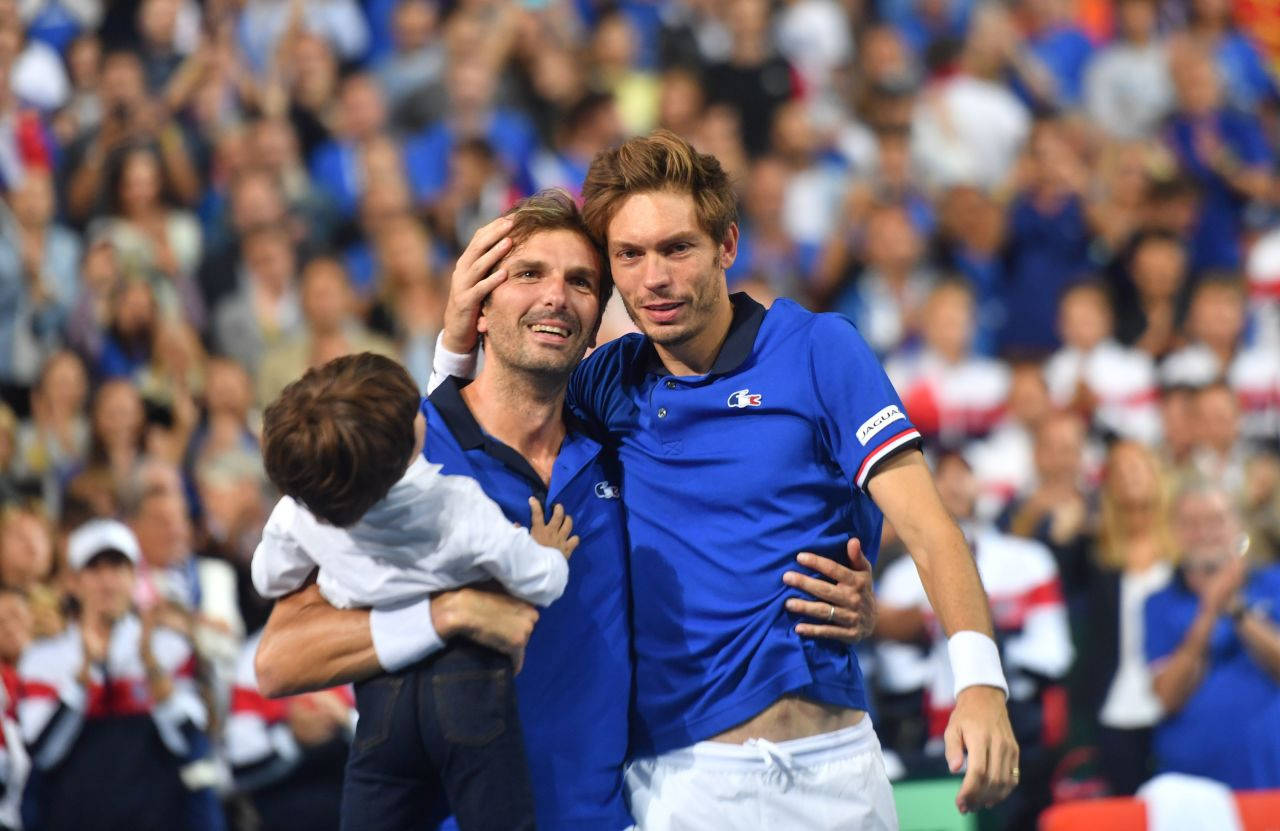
(748, 316)
(578, 448)
(457, 416)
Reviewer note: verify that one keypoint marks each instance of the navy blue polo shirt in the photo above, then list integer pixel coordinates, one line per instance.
(726, 476)
(575, 687)
(1229, 721)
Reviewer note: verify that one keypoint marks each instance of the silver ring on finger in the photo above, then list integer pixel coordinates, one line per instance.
(832, 614)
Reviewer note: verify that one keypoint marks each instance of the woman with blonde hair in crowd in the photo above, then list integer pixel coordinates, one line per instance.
(1132, 560)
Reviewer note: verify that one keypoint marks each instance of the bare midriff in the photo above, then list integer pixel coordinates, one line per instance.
(792, 717)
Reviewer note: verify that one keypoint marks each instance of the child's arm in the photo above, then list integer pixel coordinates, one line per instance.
(556, 532)
(280, 564)
(531, 572)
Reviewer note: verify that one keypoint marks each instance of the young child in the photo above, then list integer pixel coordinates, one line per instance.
(384, 526)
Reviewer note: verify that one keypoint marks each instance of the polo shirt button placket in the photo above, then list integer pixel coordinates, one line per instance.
(671, 384)
(662, 412)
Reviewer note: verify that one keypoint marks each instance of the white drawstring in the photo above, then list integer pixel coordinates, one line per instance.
(775, 757)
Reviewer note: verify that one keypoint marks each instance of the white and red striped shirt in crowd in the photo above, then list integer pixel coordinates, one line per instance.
(1253, 374)
(53, 704)
(1121, 381)
(1004, 465)
(15, 762)
(1027, 608)
(1263, 270)
(261, 747)
(950, 401)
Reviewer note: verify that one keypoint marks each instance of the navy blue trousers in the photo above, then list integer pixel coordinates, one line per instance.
(441, 736)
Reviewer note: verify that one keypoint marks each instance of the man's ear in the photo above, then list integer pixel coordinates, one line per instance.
(482, 322)
(729, 247)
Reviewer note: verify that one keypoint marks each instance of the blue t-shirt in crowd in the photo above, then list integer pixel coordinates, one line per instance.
(1065, 52)
(1246, 79)
(1048, 250)
(428, 154)
(1215, 243)
(575, 688)
(727, 477)
(1221, 732)
(919, 29)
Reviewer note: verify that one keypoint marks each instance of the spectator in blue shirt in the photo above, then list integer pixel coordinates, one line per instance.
(1061, 47)
(1224, 150)
(1213, 640)
(770, 263)
(339, 166)
(925, 22)
(472, 112)
(1048, 242)
(1248, 81)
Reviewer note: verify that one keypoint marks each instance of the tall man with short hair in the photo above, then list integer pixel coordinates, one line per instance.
(745, 435)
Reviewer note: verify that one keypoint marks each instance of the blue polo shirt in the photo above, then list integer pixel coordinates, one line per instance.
(1228, 722)
(575, 687)
(726, 477)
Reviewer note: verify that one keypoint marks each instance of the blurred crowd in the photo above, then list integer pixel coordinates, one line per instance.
(1057, 221)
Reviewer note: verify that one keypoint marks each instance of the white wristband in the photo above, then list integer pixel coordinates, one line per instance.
(975, 661)
(403, 634)
(445, 363)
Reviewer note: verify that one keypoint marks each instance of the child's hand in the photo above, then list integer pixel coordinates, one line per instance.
(555, 532)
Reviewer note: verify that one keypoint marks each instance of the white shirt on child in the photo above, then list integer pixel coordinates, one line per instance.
(430, 533)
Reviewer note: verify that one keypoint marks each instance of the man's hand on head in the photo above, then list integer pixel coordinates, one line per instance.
(487, 615)
(979, 731)
(843, 606)
(473, 278)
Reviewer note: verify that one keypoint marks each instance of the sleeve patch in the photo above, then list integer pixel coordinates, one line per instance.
(878, 422)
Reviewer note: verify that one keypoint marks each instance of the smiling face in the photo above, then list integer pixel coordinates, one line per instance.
(104, 586)
(543, 318)
(1208, 534)
(668, 270)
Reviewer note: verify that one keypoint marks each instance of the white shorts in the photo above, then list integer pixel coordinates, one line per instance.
(832, 782)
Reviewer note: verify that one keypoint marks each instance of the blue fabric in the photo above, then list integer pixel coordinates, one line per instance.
(575, 688)
(115, 362)
(646, 23)
(361, 268)
(444, 733)
(1247, 80)
(727, 476)
(1215, 242)
(986, 278)
(510, 133)
(783, 270)
(55, 26)
(335, 170)
(1220, 731)
(919, 32)
(380, 14)
(1064, 52)
(1047, 252)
